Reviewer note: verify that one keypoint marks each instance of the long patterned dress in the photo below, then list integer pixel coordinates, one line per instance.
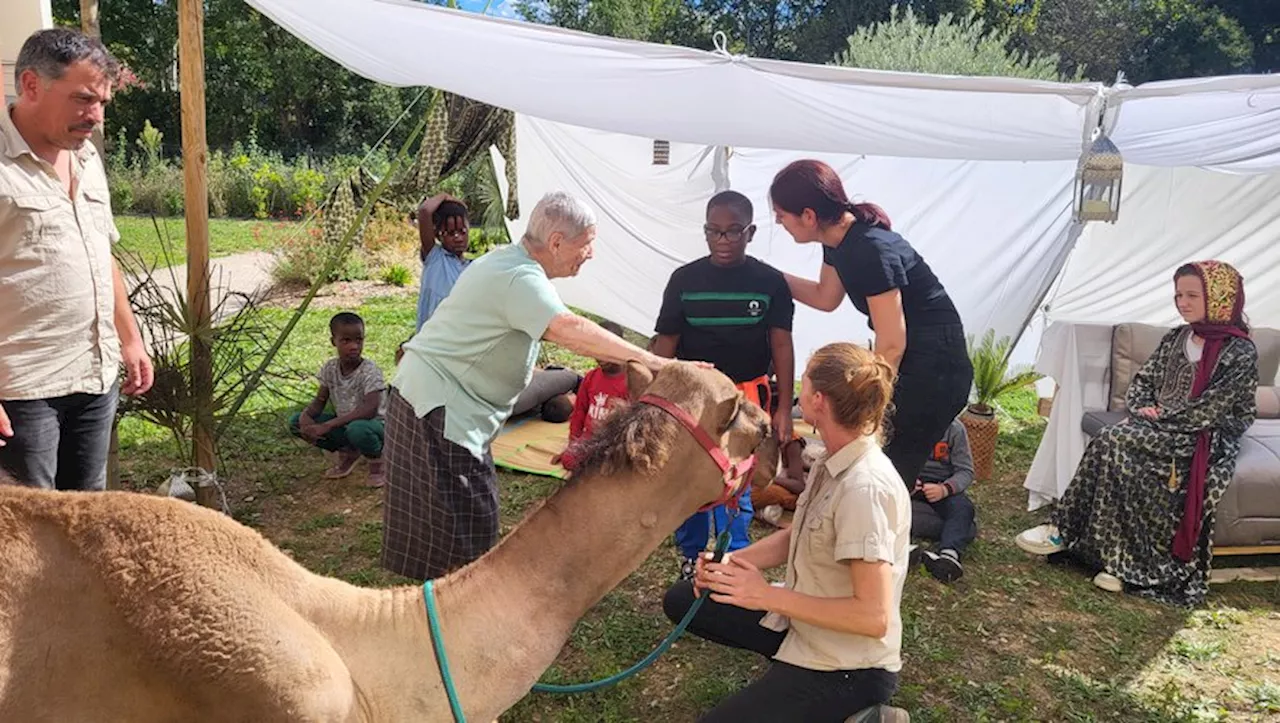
(1124, 504)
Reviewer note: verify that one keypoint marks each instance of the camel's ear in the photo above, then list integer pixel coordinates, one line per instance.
(638, 379)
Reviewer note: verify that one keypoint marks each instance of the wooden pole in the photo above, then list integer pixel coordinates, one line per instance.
(89, 26)
(195, 162)
(89, 17)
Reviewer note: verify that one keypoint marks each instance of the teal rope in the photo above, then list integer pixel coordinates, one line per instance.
(442, 660)
(722, 543)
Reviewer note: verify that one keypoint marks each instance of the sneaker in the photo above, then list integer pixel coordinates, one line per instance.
(377, 474)
(1042, 540)
(914, 553)
(880, 714)
(347, 460)
(687, 567)
(944, 566)
(1107, 581)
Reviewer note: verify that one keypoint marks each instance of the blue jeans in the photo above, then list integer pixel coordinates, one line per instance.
(950, 520)
(60, 443)
(691, 537)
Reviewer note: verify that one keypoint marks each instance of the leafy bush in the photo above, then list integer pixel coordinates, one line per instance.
(247, 181)
(390, 240)
(397, 275)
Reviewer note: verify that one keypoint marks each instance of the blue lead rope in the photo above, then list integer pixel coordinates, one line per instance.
(442, 658)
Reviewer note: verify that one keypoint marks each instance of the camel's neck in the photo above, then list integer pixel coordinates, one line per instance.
(506, 618)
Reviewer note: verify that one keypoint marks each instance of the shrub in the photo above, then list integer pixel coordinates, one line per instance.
(397, 275)
(301, 258)
(390, 240)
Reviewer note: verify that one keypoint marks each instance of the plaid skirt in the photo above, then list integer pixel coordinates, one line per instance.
(441, 506)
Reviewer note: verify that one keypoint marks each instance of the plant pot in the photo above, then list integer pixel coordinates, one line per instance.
(983, 429)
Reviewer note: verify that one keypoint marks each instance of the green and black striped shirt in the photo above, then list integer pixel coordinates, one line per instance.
(723, 314)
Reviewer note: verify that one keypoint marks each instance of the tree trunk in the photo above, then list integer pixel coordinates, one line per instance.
(89, 26)
(195, 162)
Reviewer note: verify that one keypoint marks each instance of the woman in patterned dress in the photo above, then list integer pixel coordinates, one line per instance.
(1140, 510)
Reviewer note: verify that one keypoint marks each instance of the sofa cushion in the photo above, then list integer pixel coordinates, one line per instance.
(1268, 343)
(1095, 419)
(1268, 402)
(1133, 344)
(1249, 513)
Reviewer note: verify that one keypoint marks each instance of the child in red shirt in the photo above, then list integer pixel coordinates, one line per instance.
(601, 392)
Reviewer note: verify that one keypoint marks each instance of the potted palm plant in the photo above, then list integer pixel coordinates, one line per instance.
(991, 378)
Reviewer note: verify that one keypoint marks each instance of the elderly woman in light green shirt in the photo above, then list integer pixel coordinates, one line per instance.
(459, 378)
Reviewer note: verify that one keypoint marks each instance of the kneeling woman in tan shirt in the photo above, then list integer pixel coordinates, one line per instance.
(834, 631)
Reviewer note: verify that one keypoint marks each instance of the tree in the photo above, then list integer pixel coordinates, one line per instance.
(263, 84)
(659, 21)
(1260, 20)
(1146, 39)
(905, 42)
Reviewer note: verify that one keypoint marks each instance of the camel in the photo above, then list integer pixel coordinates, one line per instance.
(117, 606)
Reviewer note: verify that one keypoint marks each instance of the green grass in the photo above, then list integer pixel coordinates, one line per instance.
(138, 235)
(1015, 640)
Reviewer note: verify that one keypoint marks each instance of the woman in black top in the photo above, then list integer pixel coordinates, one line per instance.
(917, 328)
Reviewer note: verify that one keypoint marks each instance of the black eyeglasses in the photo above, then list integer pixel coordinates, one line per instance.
(734, 234)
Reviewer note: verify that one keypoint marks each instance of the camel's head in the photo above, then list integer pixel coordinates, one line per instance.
(644, 438)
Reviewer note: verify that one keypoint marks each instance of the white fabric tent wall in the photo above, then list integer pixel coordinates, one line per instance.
(648, 216)
(1170, 216)
(996, 252)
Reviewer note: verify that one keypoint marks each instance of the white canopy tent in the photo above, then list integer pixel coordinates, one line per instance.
(976, 172)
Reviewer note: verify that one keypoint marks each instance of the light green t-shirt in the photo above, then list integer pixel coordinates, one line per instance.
(477, 351)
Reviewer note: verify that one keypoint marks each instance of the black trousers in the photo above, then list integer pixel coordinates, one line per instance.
(785, 693)
(933, 385)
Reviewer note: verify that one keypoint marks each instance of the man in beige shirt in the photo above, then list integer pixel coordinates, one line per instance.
(65, 321)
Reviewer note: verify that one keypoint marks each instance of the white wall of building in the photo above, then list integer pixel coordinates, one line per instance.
(18, 20)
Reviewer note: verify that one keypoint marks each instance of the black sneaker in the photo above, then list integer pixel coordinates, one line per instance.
(945, 566)
(913, 557)
(687, 567)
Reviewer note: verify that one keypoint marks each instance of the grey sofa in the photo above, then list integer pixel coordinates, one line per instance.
(1249, 515)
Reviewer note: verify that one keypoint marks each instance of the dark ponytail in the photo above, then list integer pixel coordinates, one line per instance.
(871, 214)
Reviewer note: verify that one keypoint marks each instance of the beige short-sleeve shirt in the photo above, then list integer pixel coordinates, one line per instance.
(854, 507)
(57, 303)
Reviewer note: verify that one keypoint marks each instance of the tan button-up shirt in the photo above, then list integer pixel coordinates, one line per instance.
(854, 507)
(57, 303)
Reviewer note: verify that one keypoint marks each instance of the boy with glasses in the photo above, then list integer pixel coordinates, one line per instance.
(734, 311)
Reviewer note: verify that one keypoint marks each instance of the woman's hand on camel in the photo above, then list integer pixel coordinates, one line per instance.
(736, 582)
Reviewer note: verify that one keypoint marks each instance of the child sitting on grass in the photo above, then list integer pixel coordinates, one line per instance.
(355, 386)
(601, 392)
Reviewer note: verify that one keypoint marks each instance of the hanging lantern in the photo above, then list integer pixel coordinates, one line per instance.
(662, 153)
(1098, 182)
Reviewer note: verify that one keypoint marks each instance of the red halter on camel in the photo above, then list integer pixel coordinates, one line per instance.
(736, 476)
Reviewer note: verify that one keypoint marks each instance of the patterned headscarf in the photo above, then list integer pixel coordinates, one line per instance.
(1224, 318)
(1223, 294)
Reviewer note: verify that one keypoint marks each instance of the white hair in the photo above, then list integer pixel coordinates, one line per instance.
(561, 212)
